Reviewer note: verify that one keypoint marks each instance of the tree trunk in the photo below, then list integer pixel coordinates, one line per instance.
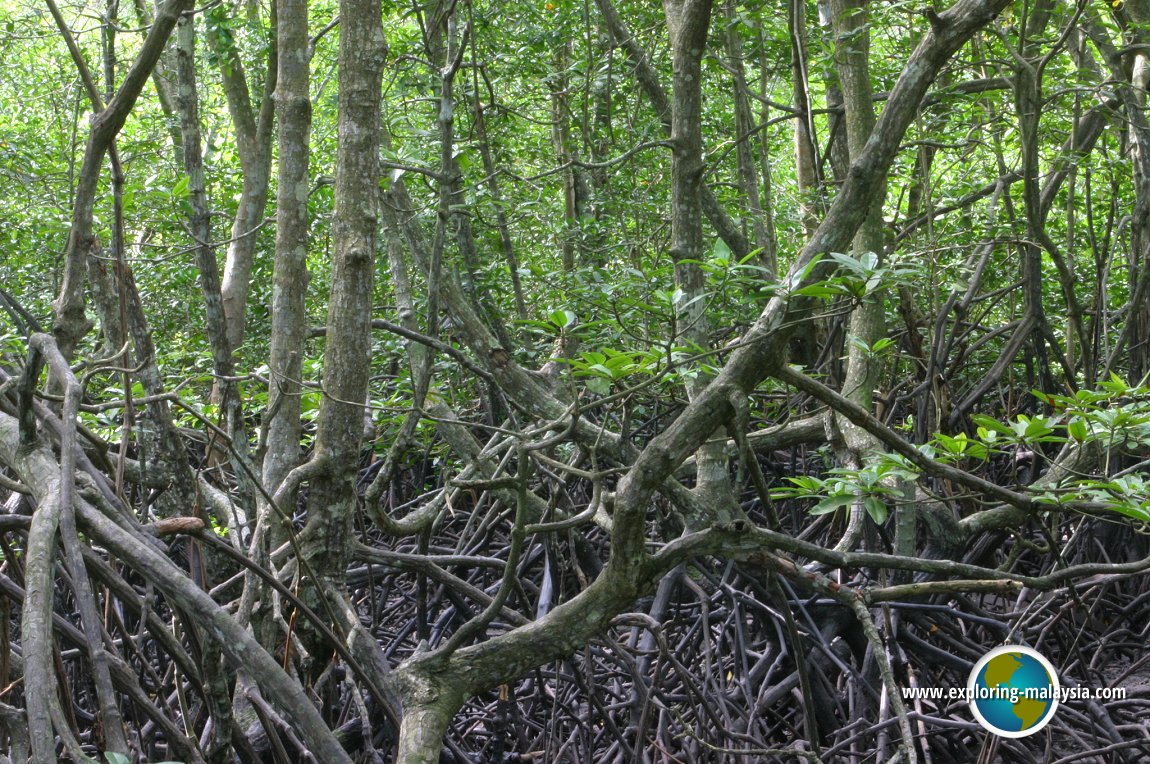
(290, 275)
(253, 128)
(347, 354)
(868, 320)
(688, 22)
(70, 324)
(762, 218)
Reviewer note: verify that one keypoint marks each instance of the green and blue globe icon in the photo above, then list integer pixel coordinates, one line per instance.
(1013, 691)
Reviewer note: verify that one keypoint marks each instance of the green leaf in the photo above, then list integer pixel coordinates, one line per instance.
(956, 445)
(561, 318)
(876, 509)
(1131, 511)
(991, 424)
(1115, 385)
(822, 290)
(831, 504)
(809, 483)
(721, 252)
(882, 344)
(599, 386)
(804, 272)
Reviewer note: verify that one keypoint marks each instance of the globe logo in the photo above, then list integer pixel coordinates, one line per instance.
(1013, 691)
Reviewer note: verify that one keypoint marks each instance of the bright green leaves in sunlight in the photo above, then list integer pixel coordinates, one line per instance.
(859, 278)
(1114, 418)
(959, 446)
(874, 487)
(1117, 415)
(1127, 495)
(727, 277)
(1024, 430)
(607, 369)
(558, 322)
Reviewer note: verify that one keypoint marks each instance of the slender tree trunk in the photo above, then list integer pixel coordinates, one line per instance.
(290, 274)
(253, 127)
(762, 223)
(70, 324)
(561, 141)
(200, 221)
(347, 354)
(807, 344)
(648, 79)
(1133, 332)
(1028, 105)
(688, 22)
(493, 187)
(806, 150)
(282, 428)
(1137, 329)
(852, 51)
(867, 321)
(200, 227)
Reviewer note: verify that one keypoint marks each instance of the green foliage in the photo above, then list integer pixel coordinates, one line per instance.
(947, 448)
(1115, 418)
(1023, 431)
(860, 277)
(874, 486)
(605, 370)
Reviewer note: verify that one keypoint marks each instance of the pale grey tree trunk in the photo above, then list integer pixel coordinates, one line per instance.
(70, 323)
(290, 275)
(200, 227)
(688, 22)
(761, 215)
(253, 127)
(648, 79)
(868, 321)
(347, 353)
